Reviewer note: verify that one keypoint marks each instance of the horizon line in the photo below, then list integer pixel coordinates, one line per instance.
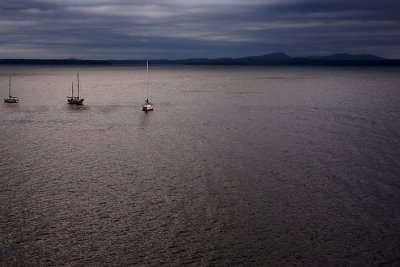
(215, 58)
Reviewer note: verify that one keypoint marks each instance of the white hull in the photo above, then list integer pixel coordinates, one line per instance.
(147, 107)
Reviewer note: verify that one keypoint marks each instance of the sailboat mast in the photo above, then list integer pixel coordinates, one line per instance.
(72, 89)
(9, 86)
(78, 83)
(147, 81)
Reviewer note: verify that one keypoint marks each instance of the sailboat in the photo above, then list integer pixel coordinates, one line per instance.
(75, 99)
(10, 99)
(147, 106)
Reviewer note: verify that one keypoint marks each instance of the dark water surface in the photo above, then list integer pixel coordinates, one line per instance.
(246, 166)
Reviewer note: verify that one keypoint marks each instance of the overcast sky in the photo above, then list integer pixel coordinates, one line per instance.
(123, 29)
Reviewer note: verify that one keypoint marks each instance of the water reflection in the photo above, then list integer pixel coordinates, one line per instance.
(77, 107)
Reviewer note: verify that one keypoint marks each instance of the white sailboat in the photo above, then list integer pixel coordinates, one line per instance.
(75, 99)
(147, 106)
(10, 99)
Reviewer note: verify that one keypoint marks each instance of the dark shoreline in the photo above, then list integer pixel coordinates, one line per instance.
(267, 60)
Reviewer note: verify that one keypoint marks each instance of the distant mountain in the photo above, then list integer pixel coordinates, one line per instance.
(273, 56)
(274, 59)
(347, 57)
(284, 59)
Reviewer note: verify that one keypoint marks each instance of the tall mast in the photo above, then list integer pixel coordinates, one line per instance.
(78, 83)
(147, 81)
(72, 88)
(9, 86)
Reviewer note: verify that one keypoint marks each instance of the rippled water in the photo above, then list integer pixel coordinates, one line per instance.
(259, 166)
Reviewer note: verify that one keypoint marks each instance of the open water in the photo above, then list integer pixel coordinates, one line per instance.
(235, 166)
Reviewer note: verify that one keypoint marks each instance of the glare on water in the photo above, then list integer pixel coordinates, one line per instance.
(235, 165)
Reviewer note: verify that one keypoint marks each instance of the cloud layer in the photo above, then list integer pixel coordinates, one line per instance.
(125, 29)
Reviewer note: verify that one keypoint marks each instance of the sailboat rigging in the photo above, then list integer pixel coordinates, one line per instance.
(10, 99)
(147, 106)
(76, 100)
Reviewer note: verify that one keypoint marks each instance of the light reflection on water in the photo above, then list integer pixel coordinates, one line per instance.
(234, 166)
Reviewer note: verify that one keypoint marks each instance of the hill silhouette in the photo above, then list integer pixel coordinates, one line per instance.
(272, 59)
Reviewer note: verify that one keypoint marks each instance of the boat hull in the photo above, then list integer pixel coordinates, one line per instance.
(75, 101)
(147, 107)
(11, 100)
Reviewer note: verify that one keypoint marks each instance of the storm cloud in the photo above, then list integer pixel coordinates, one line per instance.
(123, 29)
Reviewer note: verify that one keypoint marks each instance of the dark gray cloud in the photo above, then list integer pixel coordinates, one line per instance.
(123, 29)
